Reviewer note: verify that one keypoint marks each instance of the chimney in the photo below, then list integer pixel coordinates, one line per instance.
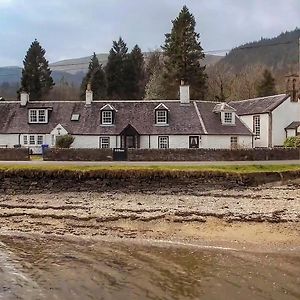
(24, 97)
(184, 93)
(88, 95)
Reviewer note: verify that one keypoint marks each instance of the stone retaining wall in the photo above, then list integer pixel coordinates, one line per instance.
(174, 154)
(14, 154)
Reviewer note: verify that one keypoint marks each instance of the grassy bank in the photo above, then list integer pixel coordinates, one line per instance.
(243, 169)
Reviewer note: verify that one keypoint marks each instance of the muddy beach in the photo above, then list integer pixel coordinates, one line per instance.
(267, 215)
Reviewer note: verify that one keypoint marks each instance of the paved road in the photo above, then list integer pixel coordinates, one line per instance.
(151, 163)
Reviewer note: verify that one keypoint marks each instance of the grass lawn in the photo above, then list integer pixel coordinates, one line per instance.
(216, 168)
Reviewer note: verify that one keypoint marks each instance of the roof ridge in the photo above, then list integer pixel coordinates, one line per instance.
(259, 98)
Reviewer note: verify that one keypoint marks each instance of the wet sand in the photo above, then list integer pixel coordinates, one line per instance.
(261, 218)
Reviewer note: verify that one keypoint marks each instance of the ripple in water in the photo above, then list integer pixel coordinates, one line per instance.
(38, 268)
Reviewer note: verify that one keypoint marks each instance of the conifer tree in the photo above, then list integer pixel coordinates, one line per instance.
(116, 70)
(135, 74)
(183, 53)
(96, 77)
(36, 74)
(266, 87)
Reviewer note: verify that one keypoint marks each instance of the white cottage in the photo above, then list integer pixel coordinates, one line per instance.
(272, 119)
(123, 124)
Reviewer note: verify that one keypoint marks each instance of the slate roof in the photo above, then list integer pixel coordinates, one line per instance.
(213, 123)
(183, 119)
(258, 105)
(293, 125)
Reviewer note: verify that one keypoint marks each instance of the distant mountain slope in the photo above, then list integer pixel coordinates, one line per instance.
(278, 53)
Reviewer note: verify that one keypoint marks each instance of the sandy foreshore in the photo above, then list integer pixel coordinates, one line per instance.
(263, 217)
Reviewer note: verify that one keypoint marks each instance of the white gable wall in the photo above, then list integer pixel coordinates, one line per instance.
(282, 116)
(263, 141)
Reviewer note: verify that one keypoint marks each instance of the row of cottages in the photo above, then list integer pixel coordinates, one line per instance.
(272, 119)
(123, 124)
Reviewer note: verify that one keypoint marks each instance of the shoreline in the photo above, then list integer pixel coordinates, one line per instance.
(264, 218)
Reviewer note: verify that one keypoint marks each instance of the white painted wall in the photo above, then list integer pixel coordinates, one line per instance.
(290, 132)
(89, 141)
(223, 141)
(263, 141)
(9, 140)
(284, 115)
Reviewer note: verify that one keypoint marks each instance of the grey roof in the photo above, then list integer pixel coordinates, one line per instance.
(213, 123)
(293, 125)
(183, 119)
(258, 105)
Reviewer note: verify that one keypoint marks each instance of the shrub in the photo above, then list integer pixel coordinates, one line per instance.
(64, 141)
(292, 142)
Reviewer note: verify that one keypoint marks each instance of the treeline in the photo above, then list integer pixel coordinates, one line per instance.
(131, 75)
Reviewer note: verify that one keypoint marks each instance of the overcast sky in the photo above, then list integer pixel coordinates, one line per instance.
(76, 28)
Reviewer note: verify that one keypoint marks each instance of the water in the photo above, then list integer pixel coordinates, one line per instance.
(52, 268)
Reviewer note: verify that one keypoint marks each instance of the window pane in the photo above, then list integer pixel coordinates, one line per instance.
(31, 140)
(33, 116)
(42, 116)
(40, 140)
(228, 117)
(234, 142)
(163, 142)
(256, 126)
(25, 140)
(106, 117)
(194, 142)
(104, 142)
(161, 116)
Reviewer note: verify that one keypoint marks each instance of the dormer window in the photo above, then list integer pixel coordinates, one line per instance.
(161, 115)
(38, 116)
(108, 115)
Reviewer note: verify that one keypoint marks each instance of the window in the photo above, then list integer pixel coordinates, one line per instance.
(75, 117)
(104, 142)
(38, 116)
(228, 118)
(161, 117)
(40, 140)
(25, 140)
(107, 117)
(163, 142)
(234, 142)
(256, 126)
(32, 140)
(194, 142)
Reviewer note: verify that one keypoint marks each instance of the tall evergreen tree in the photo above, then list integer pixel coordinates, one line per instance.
(135, 74)
(183, 53)
(96, 77)
(266, 87)
(36, 74)
(116, 70)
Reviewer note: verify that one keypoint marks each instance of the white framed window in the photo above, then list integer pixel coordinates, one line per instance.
(32, 140)
(104, 142)
(161, 117)
(256, 126)
(163, 142)
(25, 140)
(234, 142)
(107, 117)
(228, 118)
(194, 141)
(38, 116)
(40, 140)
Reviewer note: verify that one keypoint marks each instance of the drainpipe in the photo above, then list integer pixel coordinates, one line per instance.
(270, 142)
(149, 141)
